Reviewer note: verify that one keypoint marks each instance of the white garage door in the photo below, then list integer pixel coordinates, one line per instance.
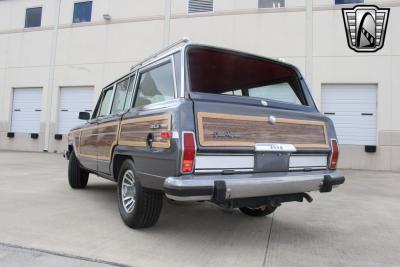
(72, 101)
(27, 107)
(352, 107)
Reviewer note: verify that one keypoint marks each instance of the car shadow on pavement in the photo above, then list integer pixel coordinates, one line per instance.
(191, 220)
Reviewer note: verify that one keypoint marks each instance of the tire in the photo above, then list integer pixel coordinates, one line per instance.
(77, 176)
(258, 212)
(142, 206)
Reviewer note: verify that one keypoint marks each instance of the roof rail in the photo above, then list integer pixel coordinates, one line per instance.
(183, 41)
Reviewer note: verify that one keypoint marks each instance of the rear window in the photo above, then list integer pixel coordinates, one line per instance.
(216, 71)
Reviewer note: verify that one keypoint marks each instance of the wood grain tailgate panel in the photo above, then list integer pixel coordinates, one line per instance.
(134, 131)
(245, 131)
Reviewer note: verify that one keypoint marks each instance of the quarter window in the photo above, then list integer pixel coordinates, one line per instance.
(120, 96)
(33, 17)
(271, 3)
(105, 103)
(82, 12)
(156, 85)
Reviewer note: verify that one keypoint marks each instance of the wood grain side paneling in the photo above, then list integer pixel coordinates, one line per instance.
(97, 142)
(134, 131)
(106, 140)
(245, 131)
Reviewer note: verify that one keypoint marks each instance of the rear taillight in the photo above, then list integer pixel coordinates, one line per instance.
(334, 154)
(189, 152)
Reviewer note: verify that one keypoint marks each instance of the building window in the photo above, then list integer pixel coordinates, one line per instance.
(343, 2)
(82, 12)
(198, 6)
(33, 17)
(271, 3)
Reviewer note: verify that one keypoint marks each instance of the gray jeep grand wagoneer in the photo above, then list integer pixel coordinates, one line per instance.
(200, 123)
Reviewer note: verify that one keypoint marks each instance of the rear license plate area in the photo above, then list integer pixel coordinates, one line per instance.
(271, 161)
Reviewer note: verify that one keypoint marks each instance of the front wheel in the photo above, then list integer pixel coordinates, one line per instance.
(263, 210)
(77, 176)
(139, 207)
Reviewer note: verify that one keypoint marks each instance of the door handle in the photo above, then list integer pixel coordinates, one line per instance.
(329, 113)
(149, 140)
(367, 114)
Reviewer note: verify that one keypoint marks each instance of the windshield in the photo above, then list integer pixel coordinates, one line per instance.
(217, 71)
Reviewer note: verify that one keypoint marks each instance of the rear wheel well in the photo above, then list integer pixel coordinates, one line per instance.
(116, 164)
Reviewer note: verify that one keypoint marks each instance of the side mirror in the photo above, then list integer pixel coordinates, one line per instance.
(84, 115)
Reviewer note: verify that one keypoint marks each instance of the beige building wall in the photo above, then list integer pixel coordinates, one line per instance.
(61, 53)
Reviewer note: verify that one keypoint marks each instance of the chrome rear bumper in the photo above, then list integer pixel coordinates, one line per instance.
(223, 187)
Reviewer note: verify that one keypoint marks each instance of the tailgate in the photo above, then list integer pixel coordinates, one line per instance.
(229, 132)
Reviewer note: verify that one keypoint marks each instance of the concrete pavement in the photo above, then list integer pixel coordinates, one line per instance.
(356, 225)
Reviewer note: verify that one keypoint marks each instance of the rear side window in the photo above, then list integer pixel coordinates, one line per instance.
(156, 85)
(121, 92)
(105, 103)
(216, 71)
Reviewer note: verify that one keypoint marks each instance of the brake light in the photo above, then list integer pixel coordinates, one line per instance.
(334, 154)
(189, 152)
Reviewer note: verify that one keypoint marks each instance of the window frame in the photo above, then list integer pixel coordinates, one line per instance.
(147, 68)
(26, 16)
(91, 11)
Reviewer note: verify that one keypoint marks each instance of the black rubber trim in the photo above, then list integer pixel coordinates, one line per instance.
(219, 194)
(189, 191)
(329, 182)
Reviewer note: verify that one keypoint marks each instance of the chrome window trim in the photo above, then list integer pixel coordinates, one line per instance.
(135, 75)
(112, 99)
(183, 52)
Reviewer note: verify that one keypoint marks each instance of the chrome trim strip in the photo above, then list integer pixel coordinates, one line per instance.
(221, 170)
(301, 161)
(224, 162)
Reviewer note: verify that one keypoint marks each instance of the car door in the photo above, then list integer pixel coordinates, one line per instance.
(108, 128)
(147, 128)
(87, 145)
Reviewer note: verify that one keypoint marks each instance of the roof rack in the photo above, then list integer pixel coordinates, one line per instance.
(182, 42)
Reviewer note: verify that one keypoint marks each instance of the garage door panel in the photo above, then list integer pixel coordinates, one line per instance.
(361, 107)
(352, 108)
(72, 101)
(26, 110)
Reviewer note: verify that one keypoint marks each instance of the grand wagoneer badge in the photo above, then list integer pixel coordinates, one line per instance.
(226, 134)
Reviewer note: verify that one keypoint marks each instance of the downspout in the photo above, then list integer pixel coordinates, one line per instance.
(167, 22)
(50, 88)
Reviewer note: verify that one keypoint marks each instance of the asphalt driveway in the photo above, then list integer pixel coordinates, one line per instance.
(356, 225)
